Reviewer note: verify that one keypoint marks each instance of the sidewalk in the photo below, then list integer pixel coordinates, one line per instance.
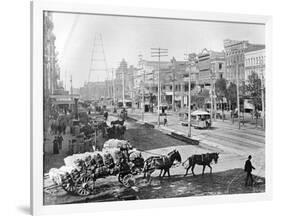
(55, 160)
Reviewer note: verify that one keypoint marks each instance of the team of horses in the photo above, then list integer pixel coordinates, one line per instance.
(165, 162)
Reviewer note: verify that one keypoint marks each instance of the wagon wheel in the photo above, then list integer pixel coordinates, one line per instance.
(69, 185)
(120, 178)
(128, 180)
(85, 186)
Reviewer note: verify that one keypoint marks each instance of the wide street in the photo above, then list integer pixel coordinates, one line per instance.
(224, 136)
(228, 175)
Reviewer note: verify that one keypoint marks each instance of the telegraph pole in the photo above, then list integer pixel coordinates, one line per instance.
(262, 97)
(123, 86)
(189, 94)
(143, 83)
(213, 102)
(159, 52)
(71, 89)
(238, 97)
(173, 83)
(113, 86)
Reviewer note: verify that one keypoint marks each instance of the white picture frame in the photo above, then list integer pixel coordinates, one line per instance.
(37, 9)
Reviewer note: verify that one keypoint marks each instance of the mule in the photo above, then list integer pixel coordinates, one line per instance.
(203, 160)
(163, 162)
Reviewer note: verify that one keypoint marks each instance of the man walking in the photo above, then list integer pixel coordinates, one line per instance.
(248, 168)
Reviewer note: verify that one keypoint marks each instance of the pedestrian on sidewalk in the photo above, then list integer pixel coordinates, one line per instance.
(165, 120)
(248, 168)
(55, 145)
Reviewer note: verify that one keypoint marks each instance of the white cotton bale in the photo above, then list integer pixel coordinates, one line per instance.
(115, 153)
(55, 175)
(115, 143)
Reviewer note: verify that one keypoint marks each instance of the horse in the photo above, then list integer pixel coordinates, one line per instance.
(116, 132)
(163, 162)
(120, 122)
(203, 159)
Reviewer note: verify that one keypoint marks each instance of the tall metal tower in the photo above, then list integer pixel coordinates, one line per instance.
(98, 67)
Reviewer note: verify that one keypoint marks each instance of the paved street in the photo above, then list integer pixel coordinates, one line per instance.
(223, 136)
(228, 175)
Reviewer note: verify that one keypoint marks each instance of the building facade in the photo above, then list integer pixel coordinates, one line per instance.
(51, 70)
(124, 75)
(255, 62)
(211, 66)
(235, 58)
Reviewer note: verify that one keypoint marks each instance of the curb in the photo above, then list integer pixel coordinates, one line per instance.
(171, 132)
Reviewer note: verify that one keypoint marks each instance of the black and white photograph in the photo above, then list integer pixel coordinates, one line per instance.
(138, 108)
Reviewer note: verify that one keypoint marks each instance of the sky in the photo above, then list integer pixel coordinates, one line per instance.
(128, 37)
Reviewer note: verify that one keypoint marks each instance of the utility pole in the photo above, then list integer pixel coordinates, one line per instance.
(159, 52)
(262, 97)
(65, 80)
(71, 89)
(143, 85)
(189, 94)
(214, 91)
(237, 89)
(143, 99)
(123, 86)
(113, 86)
(213, 96)
(173, 83)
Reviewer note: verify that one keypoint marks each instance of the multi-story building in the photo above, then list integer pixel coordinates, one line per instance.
(124, 76)
(255, 61)
(235, 58)
(51, 69)
(174, 78)
(177, 79)
(211, 66)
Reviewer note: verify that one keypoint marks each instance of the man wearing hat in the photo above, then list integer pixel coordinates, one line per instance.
(248, 168)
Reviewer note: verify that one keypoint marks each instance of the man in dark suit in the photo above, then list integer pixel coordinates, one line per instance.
(248, 168)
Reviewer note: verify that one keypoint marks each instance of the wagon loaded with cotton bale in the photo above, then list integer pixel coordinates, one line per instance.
(80, 172)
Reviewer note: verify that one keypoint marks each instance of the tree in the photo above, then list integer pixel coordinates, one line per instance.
(231, 95)
(221, 92)
(200, 98)
(253, 90)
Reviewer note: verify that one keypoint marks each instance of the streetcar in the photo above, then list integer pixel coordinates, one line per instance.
(199, 119)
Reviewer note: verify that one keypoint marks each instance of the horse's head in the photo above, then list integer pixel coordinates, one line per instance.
(215, 157)
(175, 155)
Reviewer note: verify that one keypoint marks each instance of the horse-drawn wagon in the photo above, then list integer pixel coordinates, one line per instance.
(81, 171)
